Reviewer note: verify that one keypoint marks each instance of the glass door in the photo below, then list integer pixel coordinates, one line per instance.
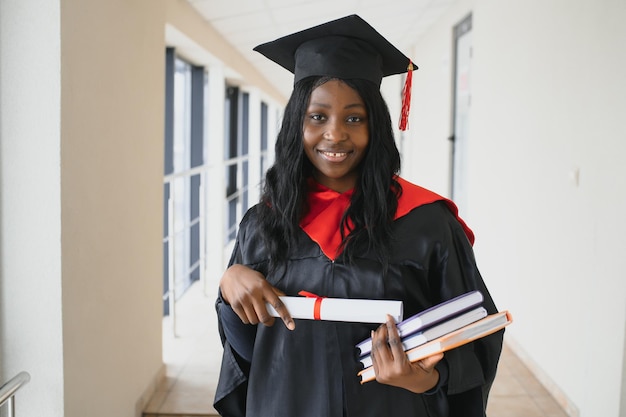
(461, 111)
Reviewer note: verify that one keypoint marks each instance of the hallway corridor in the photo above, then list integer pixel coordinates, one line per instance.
(193, 359)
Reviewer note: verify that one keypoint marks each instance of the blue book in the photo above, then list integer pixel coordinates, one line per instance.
(430, 317)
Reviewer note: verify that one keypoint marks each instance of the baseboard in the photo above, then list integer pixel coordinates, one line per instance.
(152, 387)
(559, 396)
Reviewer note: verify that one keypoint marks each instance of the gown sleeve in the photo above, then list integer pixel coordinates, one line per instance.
(471, 368)
(240, 336)
(238, 342)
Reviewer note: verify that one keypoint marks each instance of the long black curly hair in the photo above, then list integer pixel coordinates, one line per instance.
(375, 198)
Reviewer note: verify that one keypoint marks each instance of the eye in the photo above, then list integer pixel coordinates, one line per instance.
(316, 117)
(355, 119)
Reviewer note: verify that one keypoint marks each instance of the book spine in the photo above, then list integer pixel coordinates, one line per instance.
(365, 347)
(368, 373)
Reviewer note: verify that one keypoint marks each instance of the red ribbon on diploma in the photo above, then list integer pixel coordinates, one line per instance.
(317, 307)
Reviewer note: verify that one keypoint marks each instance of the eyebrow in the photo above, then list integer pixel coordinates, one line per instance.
(328, 106)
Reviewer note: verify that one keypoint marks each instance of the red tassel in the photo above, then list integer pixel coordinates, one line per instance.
(406, 98)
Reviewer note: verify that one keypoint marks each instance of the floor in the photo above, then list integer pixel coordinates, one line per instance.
(191, 352)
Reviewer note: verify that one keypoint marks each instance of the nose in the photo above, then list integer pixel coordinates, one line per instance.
(335, 132)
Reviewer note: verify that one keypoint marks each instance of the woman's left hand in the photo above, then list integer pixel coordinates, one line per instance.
(392, 366)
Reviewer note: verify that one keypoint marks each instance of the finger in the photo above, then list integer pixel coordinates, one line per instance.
(278, 292)
(395, 342)
(244, 310)
(241, 313)
(251, 312)
(380, 347)
(428, 364)
(281, 309)
(258, 310)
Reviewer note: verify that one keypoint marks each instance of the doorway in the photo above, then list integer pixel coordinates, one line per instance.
(462, 100)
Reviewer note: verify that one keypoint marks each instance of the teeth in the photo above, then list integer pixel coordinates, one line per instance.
(335, 154)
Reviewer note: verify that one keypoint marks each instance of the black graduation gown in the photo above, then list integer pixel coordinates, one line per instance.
(312, 371)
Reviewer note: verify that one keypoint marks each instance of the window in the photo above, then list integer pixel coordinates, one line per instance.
(208, 168)
(236, 158)
(461, 111)
(264, 132)
(184, 159)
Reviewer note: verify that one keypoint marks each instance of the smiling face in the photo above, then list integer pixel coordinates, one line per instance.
(336, 134)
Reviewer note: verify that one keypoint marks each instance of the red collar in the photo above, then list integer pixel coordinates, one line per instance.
(326, 208)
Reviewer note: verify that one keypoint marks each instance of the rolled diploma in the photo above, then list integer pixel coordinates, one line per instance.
(342, 309)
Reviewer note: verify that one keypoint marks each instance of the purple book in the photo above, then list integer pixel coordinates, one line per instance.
(431, 316)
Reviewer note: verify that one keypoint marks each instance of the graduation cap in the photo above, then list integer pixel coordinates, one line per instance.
(346, 48)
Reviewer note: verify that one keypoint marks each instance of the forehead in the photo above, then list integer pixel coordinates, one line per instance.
(335, 91)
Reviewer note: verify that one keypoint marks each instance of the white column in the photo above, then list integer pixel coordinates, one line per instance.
(215, 192)
(254, 146)
(30, 204)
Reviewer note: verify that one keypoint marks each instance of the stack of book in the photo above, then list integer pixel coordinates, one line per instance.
(442, 327)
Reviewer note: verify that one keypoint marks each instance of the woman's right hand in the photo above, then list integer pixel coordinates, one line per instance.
(247, 291)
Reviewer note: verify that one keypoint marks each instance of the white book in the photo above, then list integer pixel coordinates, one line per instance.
(460, 337)
(438, 330)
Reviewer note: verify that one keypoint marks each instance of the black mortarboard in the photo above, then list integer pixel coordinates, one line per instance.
(344, 48)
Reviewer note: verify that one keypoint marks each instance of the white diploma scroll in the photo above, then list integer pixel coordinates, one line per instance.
(341, 309)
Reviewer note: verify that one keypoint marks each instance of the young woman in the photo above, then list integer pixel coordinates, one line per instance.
(335, 219)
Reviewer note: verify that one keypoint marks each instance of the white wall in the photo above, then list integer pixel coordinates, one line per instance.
(548, 101)
(30, 204)
(112, 118)
(82, 157)
(81, 182)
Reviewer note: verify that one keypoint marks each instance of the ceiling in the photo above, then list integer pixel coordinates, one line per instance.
(247, 23)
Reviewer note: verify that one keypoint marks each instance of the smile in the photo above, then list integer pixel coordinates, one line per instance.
(334, 156)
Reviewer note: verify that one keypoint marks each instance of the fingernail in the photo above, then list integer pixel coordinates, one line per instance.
(291, 325)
